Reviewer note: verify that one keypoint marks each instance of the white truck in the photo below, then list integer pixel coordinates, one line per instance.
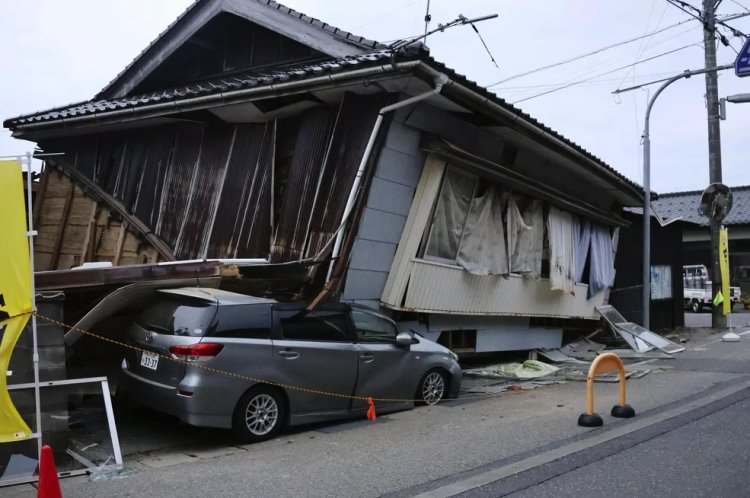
(697, 292)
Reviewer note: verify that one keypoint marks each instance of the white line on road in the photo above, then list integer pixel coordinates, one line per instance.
(597, 438)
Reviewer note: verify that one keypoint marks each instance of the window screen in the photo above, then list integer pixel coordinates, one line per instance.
(315, 326)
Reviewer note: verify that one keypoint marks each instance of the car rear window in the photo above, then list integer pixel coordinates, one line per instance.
(178, 317)
(251, 321)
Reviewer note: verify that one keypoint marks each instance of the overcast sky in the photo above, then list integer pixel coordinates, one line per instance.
(56, 52)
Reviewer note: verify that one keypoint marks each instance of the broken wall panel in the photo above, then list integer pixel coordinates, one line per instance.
(354, 125)
(75, 228)
(302, 182)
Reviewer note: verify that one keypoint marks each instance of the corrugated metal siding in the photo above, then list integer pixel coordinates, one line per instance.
(438, 288)
(177, 180)
(302, 184)
(242, 226)
(353, 128)
(209, 190)
(204, 189)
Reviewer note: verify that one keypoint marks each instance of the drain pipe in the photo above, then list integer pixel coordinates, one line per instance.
(440, 80)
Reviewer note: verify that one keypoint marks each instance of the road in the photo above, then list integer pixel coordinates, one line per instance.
(688, 439)
(740, 318)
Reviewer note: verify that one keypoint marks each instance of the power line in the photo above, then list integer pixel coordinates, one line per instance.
(588, 54)
(603, 74)
(738, 3)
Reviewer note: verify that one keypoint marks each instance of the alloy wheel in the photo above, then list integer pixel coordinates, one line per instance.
(433, 388)
(261, 414)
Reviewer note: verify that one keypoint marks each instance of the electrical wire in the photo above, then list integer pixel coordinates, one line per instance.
(587, 54)
(604, 74)
(738, 3)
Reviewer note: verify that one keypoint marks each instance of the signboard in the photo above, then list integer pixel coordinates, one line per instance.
(724, 269)
(742, 63)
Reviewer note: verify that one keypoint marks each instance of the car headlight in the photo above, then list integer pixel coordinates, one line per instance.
(453, 355)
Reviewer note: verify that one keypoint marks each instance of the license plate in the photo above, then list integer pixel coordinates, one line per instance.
(149, 360)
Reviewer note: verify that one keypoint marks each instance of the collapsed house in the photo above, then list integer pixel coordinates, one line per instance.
(261, 150)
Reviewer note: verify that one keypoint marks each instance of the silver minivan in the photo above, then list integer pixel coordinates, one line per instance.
(218, 359)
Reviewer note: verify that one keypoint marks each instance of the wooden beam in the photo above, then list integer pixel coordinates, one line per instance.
(39, 199)
(63, 222)
(87, 251)
(120, 242)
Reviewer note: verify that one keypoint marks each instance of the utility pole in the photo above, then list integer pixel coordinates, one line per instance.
(718, 320)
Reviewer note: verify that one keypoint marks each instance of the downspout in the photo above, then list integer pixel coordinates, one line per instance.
(440, 80)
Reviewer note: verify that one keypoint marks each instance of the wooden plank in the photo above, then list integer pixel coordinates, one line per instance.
(419, 214)
(120, 243)
(63, 223)
(87, 251)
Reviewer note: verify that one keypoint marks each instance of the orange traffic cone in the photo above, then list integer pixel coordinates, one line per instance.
(371, 416)
(49, 486)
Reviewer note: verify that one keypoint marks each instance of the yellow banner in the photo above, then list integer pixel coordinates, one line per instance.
(724, 267)
(12, 426)
(15, 266)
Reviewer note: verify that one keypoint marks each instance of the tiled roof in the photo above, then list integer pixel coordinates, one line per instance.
(256, 78)
(277, 74)
(684, 205)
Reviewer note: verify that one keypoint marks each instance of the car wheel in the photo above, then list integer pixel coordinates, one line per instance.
(695, 307)
(260, 414)
(432, 388)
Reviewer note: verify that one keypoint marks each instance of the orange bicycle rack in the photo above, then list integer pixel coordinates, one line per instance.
(607, 362)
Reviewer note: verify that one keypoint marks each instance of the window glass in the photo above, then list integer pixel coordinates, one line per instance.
(178, 317)
(252, 321)
(373, 328)
(451, 209)
(315, 326)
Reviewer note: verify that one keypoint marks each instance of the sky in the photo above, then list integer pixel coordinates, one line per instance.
(57, 52)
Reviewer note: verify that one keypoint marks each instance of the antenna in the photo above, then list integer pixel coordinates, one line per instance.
(427, 19)
(460, 20)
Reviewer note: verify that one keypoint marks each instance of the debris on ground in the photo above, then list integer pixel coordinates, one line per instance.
(529, 369)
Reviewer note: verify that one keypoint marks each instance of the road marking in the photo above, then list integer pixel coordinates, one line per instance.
(637, 424)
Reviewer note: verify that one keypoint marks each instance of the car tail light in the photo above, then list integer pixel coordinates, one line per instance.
(202, 351)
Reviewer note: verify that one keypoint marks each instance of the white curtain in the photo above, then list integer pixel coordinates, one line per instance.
(562, 250)
(482, 249)
(450, 213)
(602, 267)
(582, 234)
(526, 257)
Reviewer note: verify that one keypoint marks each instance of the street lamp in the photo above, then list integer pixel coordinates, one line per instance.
(740, 98)
(647, 184)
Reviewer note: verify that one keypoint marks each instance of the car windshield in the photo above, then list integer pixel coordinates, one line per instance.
(178, 317)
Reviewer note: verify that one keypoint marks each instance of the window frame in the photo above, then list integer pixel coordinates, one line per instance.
(285, 311)
(375, 314)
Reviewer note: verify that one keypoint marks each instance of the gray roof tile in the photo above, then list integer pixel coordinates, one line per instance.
(684, 205)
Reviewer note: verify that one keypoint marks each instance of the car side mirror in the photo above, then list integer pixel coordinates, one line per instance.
(404, 339)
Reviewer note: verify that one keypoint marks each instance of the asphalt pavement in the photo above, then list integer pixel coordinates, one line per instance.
(524, 442)
(739, 318)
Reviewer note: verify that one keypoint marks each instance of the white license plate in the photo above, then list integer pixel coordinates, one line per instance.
(149, 360)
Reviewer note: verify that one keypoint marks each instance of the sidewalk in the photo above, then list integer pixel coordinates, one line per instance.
(409, 448)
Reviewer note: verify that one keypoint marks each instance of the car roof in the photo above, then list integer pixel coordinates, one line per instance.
(217, 296)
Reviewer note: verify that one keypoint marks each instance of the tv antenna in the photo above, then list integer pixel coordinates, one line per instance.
(461, 20)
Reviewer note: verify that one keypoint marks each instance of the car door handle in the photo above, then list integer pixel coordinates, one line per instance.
(289, 354)
(367, 358)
